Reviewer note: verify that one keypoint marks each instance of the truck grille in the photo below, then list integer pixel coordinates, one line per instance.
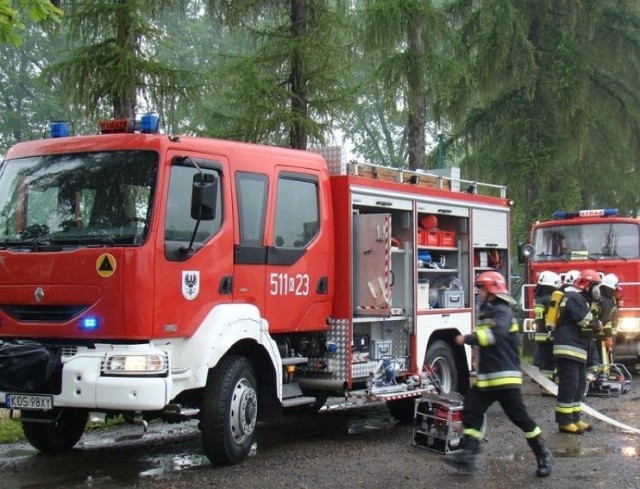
(50, 314)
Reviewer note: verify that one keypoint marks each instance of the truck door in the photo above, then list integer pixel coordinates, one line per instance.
(283, 262)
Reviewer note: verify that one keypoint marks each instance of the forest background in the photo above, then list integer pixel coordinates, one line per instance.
(537, 95)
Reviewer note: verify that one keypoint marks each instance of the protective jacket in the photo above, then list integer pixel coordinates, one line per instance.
(575, 316)
(497, 336)
(542, 299)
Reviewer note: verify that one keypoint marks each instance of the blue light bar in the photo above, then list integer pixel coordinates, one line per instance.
(149, 124)
(585, 213)
(89, 323)
(59, 129)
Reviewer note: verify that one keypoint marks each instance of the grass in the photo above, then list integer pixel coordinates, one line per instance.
(11, 431)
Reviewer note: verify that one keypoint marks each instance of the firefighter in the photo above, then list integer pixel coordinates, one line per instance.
(499, 377)
(576, 327)
(569, 278)
(548, 282)
(608, 316)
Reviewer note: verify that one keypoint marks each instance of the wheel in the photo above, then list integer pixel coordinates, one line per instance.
(59, 436)
(442, 361)
(402, 409)
(229, 411)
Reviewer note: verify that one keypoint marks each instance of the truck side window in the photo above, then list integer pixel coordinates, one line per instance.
(252, 203)
(179, 225)
(297, 214)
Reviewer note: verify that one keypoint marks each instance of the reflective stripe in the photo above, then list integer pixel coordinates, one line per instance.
(485, 335)
(539, 311)
(501, 382)
(478, 435)
(532, 434)
(569, 351)
(542, 338)
(514, 328)
(586, 320)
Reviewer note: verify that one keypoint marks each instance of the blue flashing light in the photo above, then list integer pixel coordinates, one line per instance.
(89, 323)
(59, 129)
(149, 124)
(586, 213)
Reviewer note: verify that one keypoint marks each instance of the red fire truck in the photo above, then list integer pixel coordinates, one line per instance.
(174, 277)
(599, 239)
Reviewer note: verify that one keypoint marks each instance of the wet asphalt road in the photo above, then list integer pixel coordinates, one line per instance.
(355, 447)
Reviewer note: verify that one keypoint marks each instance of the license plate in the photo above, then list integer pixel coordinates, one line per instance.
(29, 401)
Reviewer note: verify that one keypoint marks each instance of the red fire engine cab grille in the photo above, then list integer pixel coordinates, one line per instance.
(50, 314)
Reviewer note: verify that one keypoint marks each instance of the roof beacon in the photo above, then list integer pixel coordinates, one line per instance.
(586, 213)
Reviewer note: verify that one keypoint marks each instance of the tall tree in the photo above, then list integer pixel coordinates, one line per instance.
(554, 111)
(112, 62)
(282, 85)
(407, 40)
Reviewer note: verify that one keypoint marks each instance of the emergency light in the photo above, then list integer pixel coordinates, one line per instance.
(89, 323)
(149, 124)
(585, 213)
(59, 129)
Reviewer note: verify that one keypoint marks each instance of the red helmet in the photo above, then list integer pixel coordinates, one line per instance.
(586, 278)
(494, 282)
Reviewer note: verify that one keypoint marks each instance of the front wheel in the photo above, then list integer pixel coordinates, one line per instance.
(56, 431)
(229, 411)
(441, 359)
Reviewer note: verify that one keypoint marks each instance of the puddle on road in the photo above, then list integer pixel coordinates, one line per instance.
(174, 464)
(579, 452)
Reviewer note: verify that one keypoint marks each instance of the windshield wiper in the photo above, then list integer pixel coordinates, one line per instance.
(98, 240)
(547, 256)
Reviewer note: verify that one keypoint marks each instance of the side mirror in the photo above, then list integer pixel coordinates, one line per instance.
(204, 194)
(525, 251)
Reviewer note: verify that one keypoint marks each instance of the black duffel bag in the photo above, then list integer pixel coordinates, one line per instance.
(29, 366)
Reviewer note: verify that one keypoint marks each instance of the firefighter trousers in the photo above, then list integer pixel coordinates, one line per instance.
(572, 383)
(476, 403)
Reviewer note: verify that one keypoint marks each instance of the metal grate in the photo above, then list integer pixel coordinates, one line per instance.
(50, 314)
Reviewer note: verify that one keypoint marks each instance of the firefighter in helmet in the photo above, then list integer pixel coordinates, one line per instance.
(608, 316)
(576, 327)
(569, 278)
(548, 282)
(499, 377)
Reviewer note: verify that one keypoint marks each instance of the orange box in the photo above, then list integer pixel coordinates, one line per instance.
(446, 238)
(420, 239)
(432, 238)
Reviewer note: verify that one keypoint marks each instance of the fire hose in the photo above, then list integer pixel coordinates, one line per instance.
(543, 381)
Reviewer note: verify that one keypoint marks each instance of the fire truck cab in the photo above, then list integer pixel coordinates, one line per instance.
(598, 239)
(175, 277)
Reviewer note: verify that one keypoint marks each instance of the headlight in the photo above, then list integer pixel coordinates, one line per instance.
(629, 325)
(151, 364)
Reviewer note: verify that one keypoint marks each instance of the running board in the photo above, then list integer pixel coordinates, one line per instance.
(298, 401)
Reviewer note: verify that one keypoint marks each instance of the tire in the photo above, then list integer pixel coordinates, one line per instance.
(229, 411)
(441, 359)
(402, 409)
(59, 436)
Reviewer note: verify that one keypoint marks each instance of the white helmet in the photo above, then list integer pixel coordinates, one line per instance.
(610, 280)
(549, 278)
(571, 277)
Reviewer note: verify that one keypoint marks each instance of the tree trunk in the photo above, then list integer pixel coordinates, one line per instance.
(416, 99)
(124, 102)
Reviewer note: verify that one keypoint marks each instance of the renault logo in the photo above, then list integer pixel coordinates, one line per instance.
(39, 294)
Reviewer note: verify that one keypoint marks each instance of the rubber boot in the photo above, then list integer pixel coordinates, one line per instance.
(584, 426)
(543, 456)
(465, 459)
(571, 428)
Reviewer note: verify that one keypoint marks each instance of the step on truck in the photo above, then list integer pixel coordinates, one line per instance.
(152, 276)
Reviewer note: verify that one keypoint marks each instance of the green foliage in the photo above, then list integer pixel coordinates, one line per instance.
(11, 17)
(10, 430)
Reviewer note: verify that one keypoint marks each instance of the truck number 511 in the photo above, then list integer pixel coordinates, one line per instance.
(284, 284)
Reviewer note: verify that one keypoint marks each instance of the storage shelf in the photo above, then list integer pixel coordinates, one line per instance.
(438, 248)
(438, 270)
(376, 319)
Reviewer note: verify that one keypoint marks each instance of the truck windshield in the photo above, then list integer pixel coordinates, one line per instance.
(82, 199)
(587, 241)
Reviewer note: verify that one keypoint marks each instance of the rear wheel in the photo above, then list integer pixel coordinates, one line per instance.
(229, 411)
(56, 431)
(441, 359)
